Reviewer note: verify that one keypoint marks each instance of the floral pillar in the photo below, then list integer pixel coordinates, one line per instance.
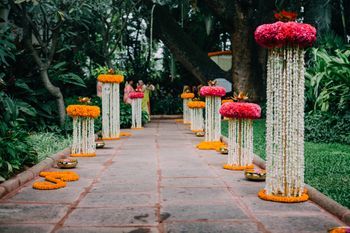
(196, 112)
(186, 97)
(83, 129)
(136, 109)
(213, 96)
(110, 105)
(285, 109)
(240, 134)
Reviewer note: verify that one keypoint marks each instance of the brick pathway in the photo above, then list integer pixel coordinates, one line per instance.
(156, 181)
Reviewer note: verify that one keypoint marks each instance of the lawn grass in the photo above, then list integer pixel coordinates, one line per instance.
(46, 143)
(327, 166)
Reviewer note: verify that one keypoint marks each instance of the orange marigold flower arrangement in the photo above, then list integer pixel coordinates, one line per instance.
(111, 77)
(55, 180)
(262, 194)
(187, 95)
(83, 111)
(196, 104)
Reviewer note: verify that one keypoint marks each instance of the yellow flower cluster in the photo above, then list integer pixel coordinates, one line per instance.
(187, 95)
(83, 111)
(196, 104)
(237, 168)
(110, 78)
(55, 180)
(262, 194)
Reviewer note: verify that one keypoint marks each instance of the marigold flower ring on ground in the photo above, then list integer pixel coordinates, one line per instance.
(187, 95)
(240, 110)
(276, 198)
(83, 111)
(136, 95)
(55, 180)
(213, 91)
(110, 78)
(196, 104)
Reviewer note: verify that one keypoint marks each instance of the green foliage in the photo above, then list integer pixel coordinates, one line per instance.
(328, 81)
(15, 152)
(326, 164)
(7, 46)
(47, 143)
(328, 128)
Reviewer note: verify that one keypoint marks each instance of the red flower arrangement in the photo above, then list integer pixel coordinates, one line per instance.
(136, 95)
(285, 34)
(212, 91)
(286, 16)
(240, 110)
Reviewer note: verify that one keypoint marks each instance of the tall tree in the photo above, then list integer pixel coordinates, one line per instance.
(41, 23)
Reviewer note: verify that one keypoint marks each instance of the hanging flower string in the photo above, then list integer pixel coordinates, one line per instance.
(55, 180)
(186, 97)
(240, 134)
(196, 115)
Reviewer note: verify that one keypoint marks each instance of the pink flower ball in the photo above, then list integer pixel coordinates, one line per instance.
(239, 110)
(212, 91)
(285, 34)
(136, 95)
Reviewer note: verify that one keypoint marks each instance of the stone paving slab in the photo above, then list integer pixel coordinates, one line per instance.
(27, 228)
(31, 213)
(157, 181)
(112, 217)
(108, 230)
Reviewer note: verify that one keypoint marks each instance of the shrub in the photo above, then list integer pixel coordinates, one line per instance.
(326, 127)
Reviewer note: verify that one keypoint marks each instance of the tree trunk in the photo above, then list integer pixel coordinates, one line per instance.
(184, 49)
(56, 92)
(245, 58)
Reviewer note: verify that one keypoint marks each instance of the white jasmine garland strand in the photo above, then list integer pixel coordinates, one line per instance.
(285, 122)
(83, 136)
(110, 110)
(186, 111)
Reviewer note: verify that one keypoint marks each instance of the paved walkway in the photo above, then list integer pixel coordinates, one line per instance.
(156, 181)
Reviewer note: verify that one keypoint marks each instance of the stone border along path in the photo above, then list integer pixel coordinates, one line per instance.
(157, 181)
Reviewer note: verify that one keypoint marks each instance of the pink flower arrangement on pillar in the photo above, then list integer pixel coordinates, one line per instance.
(240, 133)
(212, 96)
(136, 109)
(285, 108)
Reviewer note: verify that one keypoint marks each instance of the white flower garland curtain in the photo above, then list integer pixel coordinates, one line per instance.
(196, 115)
(240, 143)
(285, 122)
(110, 111)
(83, 137)
(285, 108)
(240, 133)
(83, 144)
(197, 121)
(186, 112)
(110, 104)
(212, 118)
(136, 117)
